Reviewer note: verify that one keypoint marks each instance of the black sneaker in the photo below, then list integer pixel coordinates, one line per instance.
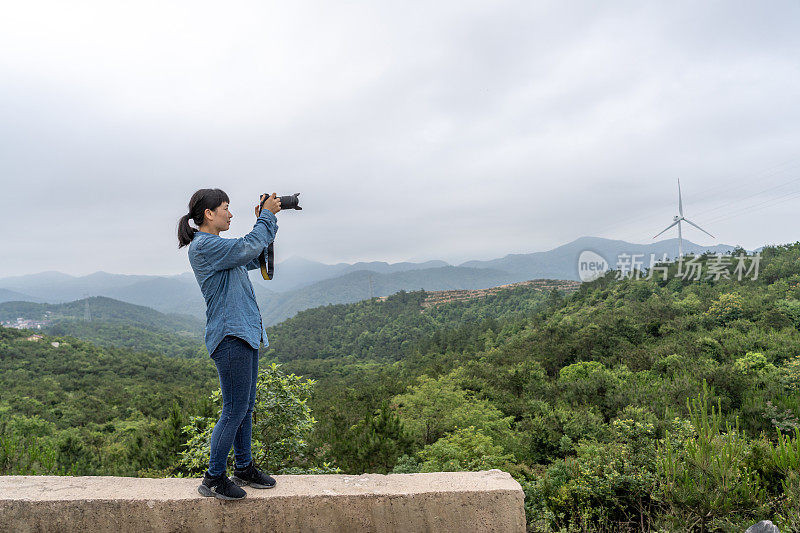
(250, 475)
(220, 487)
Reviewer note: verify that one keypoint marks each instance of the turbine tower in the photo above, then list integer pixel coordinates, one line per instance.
(677, 219)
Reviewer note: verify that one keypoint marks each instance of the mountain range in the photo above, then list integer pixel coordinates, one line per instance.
(302, 284)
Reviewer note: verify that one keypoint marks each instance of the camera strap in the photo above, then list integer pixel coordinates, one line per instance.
(267, 266)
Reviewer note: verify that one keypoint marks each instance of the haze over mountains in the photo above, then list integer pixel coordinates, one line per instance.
(302, 284)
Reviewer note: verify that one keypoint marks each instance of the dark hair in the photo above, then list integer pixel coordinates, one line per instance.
(201, 200)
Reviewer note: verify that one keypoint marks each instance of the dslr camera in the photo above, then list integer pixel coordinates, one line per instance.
(267, 258)
(287, 202)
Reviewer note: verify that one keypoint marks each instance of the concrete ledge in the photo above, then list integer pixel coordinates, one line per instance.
(443, 501)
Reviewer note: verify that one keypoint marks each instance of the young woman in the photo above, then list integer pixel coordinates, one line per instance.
(233, 329)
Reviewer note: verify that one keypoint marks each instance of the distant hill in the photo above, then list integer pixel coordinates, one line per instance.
(562, 262)
(302, 284)
(115, 323)
(55, 287)
(296, 272)
(178, 295)
(165, 294)
(11, 296)
(362, 284)
(103, 308)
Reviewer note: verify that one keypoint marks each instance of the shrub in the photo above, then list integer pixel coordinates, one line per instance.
(465, 449)
(281, 423)
(726, 308)
(704, 480)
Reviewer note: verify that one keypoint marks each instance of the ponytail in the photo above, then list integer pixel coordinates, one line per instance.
(201, 200)
(185, 231)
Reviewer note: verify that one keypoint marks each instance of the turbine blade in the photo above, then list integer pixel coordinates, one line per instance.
(698, 227)
(680, 201)
(665, 229)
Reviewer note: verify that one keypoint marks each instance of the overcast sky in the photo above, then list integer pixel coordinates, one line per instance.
(413, 130)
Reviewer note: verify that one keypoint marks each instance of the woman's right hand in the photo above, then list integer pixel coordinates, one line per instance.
(272, 203)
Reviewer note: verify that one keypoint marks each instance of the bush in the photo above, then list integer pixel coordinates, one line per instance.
(726, 308)
(607, 485)
(281, 423)
(704, 480)
(465, 449)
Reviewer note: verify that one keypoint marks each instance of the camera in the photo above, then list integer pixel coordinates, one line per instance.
(287, 202)
(267, 258)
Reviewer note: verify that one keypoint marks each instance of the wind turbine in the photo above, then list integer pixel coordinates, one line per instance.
(676, 220)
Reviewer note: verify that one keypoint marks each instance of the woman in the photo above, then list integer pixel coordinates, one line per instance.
(233, 329)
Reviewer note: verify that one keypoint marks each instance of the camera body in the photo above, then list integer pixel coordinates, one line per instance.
(287, 202)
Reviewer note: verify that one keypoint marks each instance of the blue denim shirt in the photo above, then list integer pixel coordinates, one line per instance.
(220, 266)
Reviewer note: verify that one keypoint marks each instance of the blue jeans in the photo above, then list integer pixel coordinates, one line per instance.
(237, 366)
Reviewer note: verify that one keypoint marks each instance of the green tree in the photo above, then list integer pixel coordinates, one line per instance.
(591, 383)
(281, 423)
(434, 407)
(376, 442)
(705, 479)
(726, 308)
(463, 450)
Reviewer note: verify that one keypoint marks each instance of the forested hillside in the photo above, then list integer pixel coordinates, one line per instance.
(600, 403)
(385, 330)
(650, 405)
(79, 409)
(113, 323)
